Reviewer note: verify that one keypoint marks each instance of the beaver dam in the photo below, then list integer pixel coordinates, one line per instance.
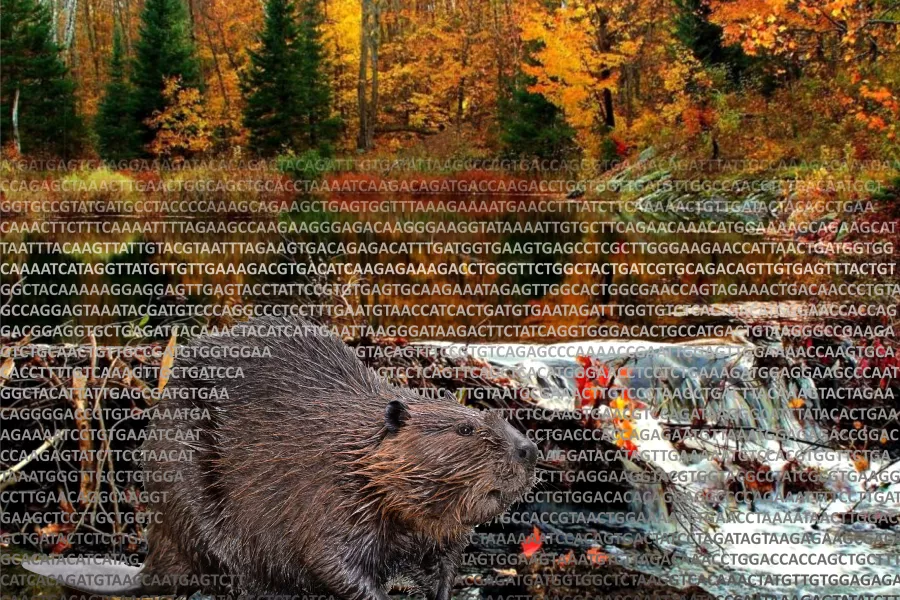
(664, 467)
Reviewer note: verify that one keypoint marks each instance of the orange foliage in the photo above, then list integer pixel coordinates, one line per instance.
(181, 129)
(443, 68)
(597, 557)
(532, 543)
(595, 383)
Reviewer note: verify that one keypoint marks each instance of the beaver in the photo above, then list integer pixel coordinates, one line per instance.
(315, 475)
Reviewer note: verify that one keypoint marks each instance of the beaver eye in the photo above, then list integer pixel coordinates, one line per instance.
(465, 429)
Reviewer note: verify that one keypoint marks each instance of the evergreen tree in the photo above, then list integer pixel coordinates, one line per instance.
(35, 83)
(164, 50)
(289, 99)
(704, 39)
(532, 126)
(320, 129)
(117, 130)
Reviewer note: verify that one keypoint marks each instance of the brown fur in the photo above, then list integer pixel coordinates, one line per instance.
(315, 476)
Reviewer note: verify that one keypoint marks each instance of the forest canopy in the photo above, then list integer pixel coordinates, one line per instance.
(773, 79)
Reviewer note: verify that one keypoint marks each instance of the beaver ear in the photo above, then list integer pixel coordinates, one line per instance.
(395, 415)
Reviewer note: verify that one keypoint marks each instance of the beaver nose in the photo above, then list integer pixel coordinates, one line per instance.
(526, 451)
(523, 449)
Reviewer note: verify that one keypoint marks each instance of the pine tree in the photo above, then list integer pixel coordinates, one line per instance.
(694, 30)
(116, 128)
(164, 50)
(289, 99)
(34, 83)
(273, 82)
(320, 130)
(532, 126)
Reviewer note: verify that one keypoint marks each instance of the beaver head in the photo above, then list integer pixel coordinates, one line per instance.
(444, 468)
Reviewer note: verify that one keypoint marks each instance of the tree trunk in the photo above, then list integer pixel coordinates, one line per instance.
(71, 20)
(373, 104)
(215, 57)
(120, 14)
(461, 88)
(229, 54)
(15, 123)
(71, 16)
(126, 29)
(54, 22)
(604, 44)
(608, 116)
(92, 40)
(406, 129)
(628, 92)
(368, 63)
(361, 81)
(193, 20)
(460, 101)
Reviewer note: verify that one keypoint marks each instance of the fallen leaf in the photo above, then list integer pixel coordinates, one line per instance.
(165, 366)
(597, 557)
(532, 543)
(564, 560)
(6, 370)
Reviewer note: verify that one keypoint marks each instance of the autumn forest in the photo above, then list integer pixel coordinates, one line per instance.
(709, 276)
(743, 79)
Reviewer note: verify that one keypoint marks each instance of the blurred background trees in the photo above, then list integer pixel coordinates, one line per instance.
(37, 94)
(469, 77)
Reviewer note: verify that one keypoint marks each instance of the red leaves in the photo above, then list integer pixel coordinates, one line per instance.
(622, 148)
(594, 557)
(597, 557)
(532, 543)
(595, 383)
(591, 382)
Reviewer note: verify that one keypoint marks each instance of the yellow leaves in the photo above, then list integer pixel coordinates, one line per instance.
(629, 48)
(780, 27)
(341, 36)
(168, 360)
(563, 73)
(676, 76)
(837, 8)
(581, 49)
(181, 128)
(433, 61)
(6, 370)
(622, 412)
